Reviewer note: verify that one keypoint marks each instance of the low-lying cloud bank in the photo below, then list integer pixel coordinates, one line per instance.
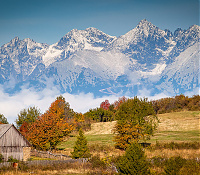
(11, 105)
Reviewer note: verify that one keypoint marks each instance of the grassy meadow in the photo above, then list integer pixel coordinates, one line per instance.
(178, 134)
(177, 127)
(173, 127)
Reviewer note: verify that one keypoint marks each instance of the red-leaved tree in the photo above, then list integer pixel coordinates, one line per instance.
(105, 105)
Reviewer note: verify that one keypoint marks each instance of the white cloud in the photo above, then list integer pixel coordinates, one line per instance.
(11, 105)
(147, 94)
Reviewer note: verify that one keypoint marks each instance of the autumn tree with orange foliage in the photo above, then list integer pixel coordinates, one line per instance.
(50, 128)
(48, 131)
(81, 121)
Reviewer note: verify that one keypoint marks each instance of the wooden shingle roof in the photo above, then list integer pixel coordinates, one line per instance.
(4, 128)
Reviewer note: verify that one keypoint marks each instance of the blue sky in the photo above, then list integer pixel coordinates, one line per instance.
(46, 21)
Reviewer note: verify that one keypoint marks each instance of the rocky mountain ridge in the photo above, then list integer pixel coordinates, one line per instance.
(92, 61)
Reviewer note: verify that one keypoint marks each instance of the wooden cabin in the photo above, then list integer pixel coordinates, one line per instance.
(13, 143)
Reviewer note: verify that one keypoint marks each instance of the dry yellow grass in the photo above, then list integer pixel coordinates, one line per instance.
(179, 121)
(77, 170)
(101, 128)
(185, 123)
(167, 153)
(175, 121)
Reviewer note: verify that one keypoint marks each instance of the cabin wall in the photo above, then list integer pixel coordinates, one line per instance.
(15, 152)
(13, 138)
(12, 143)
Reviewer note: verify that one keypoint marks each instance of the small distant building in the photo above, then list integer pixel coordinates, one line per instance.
(13, 143)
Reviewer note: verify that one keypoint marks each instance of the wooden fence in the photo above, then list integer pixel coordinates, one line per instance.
(45, 162)
(47, 154)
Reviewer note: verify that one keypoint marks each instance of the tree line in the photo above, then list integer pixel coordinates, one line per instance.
(177, 103)
(107, 111)
(136, 119)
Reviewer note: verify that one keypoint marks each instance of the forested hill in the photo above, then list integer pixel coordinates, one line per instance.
(106, 111)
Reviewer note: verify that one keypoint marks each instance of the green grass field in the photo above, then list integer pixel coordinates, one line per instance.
(177, 127)
(102, 139)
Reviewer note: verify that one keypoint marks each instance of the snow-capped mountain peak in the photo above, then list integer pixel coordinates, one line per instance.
(145, 25)
(12, 43)
(91, 59)
(89, 39)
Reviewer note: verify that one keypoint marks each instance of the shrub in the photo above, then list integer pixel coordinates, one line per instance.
(173, 165)
(97, 162)
(23, 166)
(1, 158)
(191, 167)
(134, 161)
(158, 161)
(176, 145)
(11, 159)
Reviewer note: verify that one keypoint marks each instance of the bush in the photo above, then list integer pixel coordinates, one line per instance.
(1, 158)
(134, 161)
(97, 162)
(173, 165)
(11, 159)
(23, 166)
(158, 161)
(191, 167)
(176, 145)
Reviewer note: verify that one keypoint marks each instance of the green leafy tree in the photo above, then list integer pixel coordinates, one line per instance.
(134, 161)
(81, 149)
(27, 115)
(100, 115)
(136, 120)
(3, 119)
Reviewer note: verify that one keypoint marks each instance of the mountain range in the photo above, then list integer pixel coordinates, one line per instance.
(92, 61)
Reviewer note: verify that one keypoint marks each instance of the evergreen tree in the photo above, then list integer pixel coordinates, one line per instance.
(81, 149)
(134, 161)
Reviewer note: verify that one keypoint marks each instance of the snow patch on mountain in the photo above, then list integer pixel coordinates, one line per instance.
(89, 60)
(90, 47)
(34, 48)
(90, 38)
(156, 71)
(52, 54)
(93, 65)
(183, 73)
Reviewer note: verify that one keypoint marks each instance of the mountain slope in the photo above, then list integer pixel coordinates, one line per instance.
(91, 61)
